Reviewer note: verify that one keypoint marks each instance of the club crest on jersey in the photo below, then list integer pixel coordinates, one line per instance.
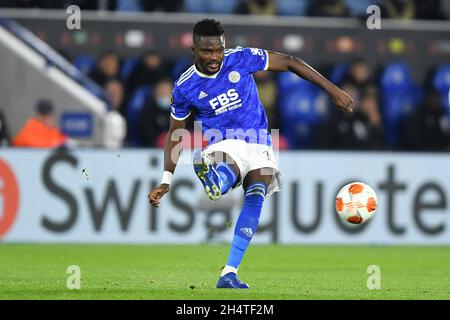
(234, 77)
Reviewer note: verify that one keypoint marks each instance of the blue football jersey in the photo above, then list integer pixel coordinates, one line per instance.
(226, 103)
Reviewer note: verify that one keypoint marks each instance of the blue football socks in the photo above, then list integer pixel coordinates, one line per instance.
(247, 223)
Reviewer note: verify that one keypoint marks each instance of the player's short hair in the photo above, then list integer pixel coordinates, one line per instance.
(208, 27)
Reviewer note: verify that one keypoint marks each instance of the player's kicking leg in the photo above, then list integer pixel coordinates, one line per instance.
(255, 186)
(217, 174)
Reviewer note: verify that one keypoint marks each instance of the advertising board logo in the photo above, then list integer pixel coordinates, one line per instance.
(9, 198)
(77, 124)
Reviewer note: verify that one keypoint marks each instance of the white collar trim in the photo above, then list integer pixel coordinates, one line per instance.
(213, 76)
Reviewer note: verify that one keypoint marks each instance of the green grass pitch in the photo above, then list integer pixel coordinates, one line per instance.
(167, 272)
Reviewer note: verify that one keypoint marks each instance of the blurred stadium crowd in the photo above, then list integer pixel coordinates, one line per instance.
(392, 112)
(396, 9)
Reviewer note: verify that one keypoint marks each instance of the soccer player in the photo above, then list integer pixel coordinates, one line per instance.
(220, 88)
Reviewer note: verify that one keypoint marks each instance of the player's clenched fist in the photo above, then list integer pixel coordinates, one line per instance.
(342, 100)
(157, 193)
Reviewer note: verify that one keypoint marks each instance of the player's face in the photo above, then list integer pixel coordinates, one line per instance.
(209, 53)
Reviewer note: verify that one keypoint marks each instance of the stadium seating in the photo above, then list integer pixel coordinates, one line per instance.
(396, 77)
(226, 7)
(441, 82)
(181, 66)
(84, 63)
(206, 6)
(399, 95)
(358, 8)
(195, 6)
(127, 67)
(338, 72)
(303, 107)
(288, 81)
(135, 105)
(292, 7)
(129, 6)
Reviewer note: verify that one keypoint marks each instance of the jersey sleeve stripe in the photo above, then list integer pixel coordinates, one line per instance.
(187, 73)
(185, 79)
(230, 51)
(180, 118)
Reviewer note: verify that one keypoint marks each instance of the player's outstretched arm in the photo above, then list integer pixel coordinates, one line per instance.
(281, 62)
(172, 150)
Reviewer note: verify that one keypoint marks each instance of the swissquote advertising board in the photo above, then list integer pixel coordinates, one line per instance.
(93, 196)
